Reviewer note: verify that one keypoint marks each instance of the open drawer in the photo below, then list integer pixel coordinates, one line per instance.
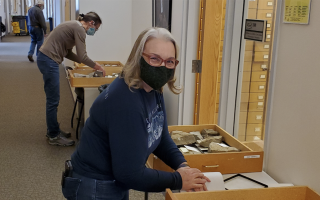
(247, 160)
(94, 81)
(103, 63)
(281, 193)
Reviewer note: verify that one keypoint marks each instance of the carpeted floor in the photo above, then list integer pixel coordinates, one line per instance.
(30, 168)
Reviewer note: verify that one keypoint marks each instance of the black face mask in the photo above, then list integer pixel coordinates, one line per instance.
(155, 77)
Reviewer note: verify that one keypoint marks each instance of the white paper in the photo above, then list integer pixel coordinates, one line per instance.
(261, 87)
(269, 36)
(259, 117)
(262, 76)
(257, 129)
(263, 66)
(260, 103)
(270, 3)
(191, 148)
(268, 25)
(269, 15)
(217, 182)
(260, 97)
(280, 185)
(266, 56)
(266, 46)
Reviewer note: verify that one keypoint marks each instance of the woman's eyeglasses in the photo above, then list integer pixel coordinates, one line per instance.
(156, 61)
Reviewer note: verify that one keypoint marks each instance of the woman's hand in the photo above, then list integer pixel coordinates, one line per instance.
(100, 68)
(192, 179)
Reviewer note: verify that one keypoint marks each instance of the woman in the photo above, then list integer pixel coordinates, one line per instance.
(58, 45)
(127, 123)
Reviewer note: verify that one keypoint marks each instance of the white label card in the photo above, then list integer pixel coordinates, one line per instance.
(261, 87)
(260, 97)
(252, 156)
(268, 36)
(266, 46)
(257, 129)
(269, 15)
(268, 25)
(260, 103)
(270, 3)
(263, 66)
(266, 56)
(262, 76)
(259, 117)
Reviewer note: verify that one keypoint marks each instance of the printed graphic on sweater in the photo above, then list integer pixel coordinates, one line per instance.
(155, 127)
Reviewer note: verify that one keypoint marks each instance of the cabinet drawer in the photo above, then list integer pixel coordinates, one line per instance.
(245, 87)
(265, 14)
(268, 36)
(226, 163)
(261, 56)
(243, 106)
(256, 106)
(246, 76)
(259, 66)
(248, 56)
(245, 97)
(261, 46)
(249, 45)
(254, 129)
(259, 76)
(220, 66)
(247, 66)
(255, 117)
(243, 117)
(258, 87)
(255, 97)
(252, 13)
(265, 4)
(253, 4)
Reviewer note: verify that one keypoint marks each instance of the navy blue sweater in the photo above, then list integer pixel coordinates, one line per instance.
(123, 129)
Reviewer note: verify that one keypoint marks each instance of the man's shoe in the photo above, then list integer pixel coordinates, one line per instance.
(61, 141)
(30, 59)
(65, 134)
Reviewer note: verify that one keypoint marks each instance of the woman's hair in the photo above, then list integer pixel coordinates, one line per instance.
(131, 70)
(90, 16)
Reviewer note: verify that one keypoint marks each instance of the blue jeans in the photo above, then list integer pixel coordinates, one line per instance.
(50, 71)
(79, 187)
(36, 34)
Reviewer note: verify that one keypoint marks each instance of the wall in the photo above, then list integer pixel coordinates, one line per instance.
(141, 17)
(113, 40)
(2, 14)
(293, 134)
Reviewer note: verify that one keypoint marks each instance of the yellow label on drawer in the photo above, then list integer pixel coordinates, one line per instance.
(269, 15)
(259, 117)
(270, 3)
(260, 97)
(258, 129)
(261, 87)
(262, 76)
(266, 56)
(260, 103)
(266, 46)
(252, 156)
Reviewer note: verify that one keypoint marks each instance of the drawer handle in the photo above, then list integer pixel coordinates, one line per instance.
(210, 166)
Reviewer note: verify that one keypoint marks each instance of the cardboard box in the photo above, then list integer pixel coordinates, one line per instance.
(282, 193)
(94, 81)
(247, 160)
(103, 63)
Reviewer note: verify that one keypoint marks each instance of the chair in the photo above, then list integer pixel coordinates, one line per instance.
(80, 99)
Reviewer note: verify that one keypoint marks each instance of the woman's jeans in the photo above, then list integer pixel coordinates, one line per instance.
(79, 187)
(50, 71)
(36, 34)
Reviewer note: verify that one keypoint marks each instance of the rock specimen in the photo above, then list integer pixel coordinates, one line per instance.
(175, 132)
(197, 135)
(216, 148)
(208, 140)
(209, 132)
(183, 138)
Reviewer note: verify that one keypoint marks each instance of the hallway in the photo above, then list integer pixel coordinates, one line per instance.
(30, 168)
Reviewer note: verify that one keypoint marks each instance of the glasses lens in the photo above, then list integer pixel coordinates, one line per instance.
(171, 64)
(155, 60)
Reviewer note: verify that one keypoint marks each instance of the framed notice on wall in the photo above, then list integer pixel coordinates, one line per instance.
(297, 11)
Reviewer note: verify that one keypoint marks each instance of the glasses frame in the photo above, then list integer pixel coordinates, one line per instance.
(163, 61)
